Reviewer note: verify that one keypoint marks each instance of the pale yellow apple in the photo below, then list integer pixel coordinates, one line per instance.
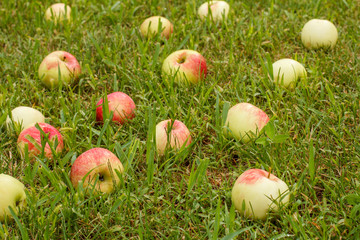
(319, 33)
(219, 10)
(24, 117)
(150, 27)
(287, 72)
(58, 12)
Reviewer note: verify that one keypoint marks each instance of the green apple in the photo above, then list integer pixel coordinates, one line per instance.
(287, 71)
(318, 33)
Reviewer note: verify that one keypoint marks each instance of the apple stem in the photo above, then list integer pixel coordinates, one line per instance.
(269, 172)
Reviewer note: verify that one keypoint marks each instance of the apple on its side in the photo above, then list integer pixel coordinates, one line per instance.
(59, 64)
(256, 192)
(171, 135)
(121, 104)
(287, 71)
(185, 66)
(318, 33)
(58, 12)
(97, 168)
(32, 141)
(23, 117)
(219, 10)
(244, 121)
(150, 27)
(12, 194)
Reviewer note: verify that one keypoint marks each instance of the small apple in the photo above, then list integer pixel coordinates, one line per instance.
(121, 104)
(23, 117)
(12, 194)
(318, 33)
(244, 121)
(35, 142)
(59, 66)
(97, 168)
(219, 10)
(185, 66)
(171, 134)
(150, 27)
(287, 71)
(58, 12)
(256, 192)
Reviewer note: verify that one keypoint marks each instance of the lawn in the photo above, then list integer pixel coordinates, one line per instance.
(312, 141)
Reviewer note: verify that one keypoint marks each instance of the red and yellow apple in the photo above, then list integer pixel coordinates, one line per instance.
(219, 10)
(319, 33)
(150, 27)
(58, 12)
(287, 72)
(23, 117)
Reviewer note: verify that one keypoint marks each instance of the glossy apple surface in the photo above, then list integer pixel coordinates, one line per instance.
(58, 12)
(171, 134)
(318, 33)
(121, 104)
(219, 10)
(30, 140)
(12, 194)
(185, 66)
(97, 168)
(24, 117)
(59, 66)
(287, 72)
(244, 121)
(150, 27)
(256, 192)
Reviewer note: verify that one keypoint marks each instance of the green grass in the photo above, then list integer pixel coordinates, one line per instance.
(312, 142)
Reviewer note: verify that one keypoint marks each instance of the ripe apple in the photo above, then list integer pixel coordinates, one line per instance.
(171, 134)
(150, 27)
(121, 104)
(58, 12)
(185, 66)
(287, 71)
(219, 10)
(23, 117)
(97, 168)
(12, 194)
(318, 33)
(256, 192)
(33, 141)
(59, 66)
(244, 121)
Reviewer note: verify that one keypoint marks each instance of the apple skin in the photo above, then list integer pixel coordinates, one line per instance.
(259, 192)
(25, 141)
(58, 13)
(101, 163)
(174, 139)
(23, 117)
(12, 193)
(150, 27)
(121, 104)
(49, 69)
(287, 71)
(244, 121)
(318, 33)
(188, 66)
(219, 10)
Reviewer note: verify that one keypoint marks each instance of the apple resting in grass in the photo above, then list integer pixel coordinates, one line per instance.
(59, 66)
(34, 142)
(121, 104)
(97, 168)
(23, 117)
(287, 71)
(185, 66)
(150, 27)
(219, 10)
(244, 121)
(58, 12)
(171, 134)
(318, 33)
(12, 194)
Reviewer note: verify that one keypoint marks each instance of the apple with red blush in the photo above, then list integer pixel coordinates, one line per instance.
(150, 27)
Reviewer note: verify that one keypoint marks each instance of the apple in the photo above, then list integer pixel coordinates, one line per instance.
(59, 66)
(96, 168)
(318, 33)
(31, 140)
(58, 12)
(287, 71)
(150, 27)
(171, 134)
(218, 9)
(256, 192)
(121, 104)
(12, 194)
(23, 117)
(244, 121)
(185, 66)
